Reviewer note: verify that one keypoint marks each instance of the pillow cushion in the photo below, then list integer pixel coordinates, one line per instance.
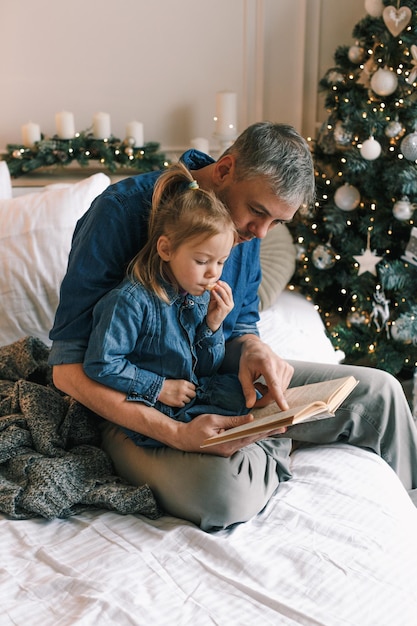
(35, 238)
(5, 182)
(278, 257)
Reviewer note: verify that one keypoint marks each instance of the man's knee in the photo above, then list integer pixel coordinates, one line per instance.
(237, 496)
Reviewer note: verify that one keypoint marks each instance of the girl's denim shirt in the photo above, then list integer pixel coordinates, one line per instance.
(138, 340)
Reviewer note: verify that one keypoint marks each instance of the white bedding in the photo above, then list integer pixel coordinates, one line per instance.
(331, 548)
(294, 329)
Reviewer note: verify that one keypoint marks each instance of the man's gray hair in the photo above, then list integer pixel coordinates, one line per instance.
(280, 154)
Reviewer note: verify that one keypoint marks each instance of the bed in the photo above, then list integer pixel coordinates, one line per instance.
(336, 545)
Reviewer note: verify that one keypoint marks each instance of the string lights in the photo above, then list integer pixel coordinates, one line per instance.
(357, 247)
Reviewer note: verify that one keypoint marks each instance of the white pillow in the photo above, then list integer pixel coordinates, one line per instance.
(5, 181)
(278, 257)
(35, 238)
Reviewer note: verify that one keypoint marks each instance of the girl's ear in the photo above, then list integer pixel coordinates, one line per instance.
(163, 247)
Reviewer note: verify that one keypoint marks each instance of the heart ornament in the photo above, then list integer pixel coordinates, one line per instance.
(396, 19)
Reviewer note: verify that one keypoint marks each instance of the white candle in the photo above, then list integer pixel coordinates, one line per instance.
(31, 133)
(201, 144)
(226, 114)
(134, 130)
(101, 125)
(65, 127)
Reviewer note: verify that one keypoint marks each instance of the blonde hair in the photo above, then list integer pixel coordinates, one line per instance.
(180, 212)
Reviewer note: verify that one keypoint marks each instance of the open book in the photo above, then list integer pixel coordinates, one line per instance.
(311, 402)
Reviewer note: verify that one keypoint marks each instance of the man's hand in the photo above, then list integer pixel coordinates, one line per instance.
(177, 392)
(257, 359)
(192, 434)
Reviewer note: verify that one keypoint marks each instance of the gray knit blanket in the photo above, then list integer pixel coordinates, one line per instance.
(51, 462)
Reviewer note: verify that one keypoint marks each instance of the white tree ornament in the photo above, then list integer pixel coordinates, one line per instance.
(380, 310)
(408, 146)
(403, 209)
(368, 260)
(374, 7)
(384, 82)
(370, 149)
(347, 197)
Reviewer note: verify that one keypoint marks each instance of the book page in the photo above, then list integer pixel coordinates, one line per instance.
(326, 393)
(329, 392)
(307, 403)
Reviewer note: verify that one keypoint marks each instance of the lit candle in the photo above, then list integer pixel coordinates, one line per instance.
(101, 126)
(31, 133)
(201, 144)
(65, 127)
(134, 130)
(226, 114)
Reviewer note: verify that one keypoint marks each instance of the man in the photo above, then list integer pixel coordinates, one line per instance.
(263, 178)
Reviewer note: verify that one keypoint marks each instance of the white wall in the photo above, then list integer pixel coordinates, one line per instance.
(162, 62)
(337, 19)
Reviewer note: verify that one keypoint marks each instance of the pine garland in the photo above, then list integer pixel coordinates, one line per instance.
(112, 153)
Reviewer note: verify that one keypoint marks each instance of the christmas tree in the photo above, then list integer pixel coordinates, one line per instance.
(357, 247)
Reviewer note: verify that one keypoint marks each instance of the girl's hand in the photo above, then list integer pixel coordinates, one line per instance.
(221, 303)
(177, 392)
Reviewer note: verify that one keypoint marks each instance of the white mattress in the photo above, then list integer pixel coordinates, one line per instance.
(337, 545)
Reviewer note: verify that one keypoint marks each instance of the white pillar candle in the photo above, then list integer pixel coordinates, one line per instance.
(31, 133)
(201, 144)
(65, 127)
(226, 114)
(101, 125)
(134, 130)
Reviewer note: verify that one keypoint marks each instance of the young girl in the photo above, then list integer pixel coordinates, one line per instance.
(158, 336)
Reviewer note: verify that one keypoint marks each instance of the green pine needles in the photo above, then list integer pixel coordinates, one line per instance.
(111, 153)
(357, 248)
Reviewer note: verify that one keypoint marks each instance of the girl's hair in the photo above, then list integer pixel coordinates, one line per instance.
(181, 211)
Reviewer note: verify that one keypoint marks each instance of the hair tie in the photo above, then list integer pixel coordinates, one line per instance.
(193, 185)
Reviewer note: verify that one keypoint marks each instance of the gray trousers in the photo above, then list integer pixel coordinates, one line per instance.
(215, 492)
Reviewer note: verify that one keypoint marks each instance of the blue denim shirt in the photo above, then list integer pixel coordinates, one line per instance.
(107, 237)
(138, 341)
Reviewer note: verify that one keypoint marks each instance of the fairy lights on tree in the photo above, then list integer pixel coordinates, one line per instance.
(357, 248)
